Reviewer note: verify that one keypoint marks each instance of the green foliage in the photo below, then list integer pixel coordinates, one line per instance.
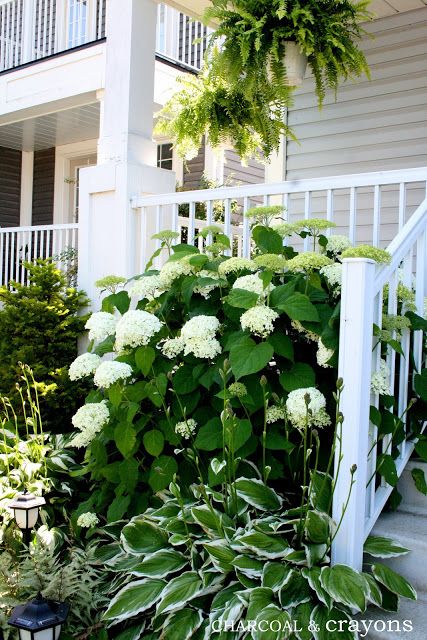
(186, 568)
(72, 575)
(242, 93)
(40, 325)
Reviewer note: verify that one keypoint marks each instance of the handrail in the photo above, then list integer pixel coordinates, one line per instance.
(378, 178)
(40, 227)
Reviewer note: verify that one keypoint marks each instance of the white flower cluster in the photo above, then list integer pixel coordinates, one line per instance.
(149, 287)
(87, 520)
(186, 429)
(274, 414)
(84, 366)
(198, 335)
(173, 270)
(89, 419)
(110, 372)
(323, 355)
(206, 289)
(136, 328)
(337, 244)
(259, 320)
(307, 334)
(380, 380)
(101, 325)
(234, 265)
(254, 284)
(172, 347)
(333, 274)
(302, 414)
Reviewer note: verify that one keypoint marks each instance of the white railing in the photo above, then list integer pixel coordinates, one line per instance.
(26, 244)
(180, 39)
(370, 208)
(367, 292)
(34, 29)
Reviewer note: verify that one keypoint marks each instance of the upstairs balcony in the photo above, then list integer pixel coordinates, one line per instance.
(33, 30)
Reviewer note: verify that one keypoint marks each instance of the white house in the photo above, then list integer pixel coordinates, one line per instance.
(80, 81)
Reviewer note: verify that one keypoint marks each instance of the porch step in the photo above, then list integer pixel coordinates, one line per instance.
(414, 612)
(412, 500)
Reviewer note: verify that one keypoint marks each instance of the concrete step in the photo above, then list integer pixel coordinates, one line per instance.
(389, 626)
(410, 531)
(412, 500)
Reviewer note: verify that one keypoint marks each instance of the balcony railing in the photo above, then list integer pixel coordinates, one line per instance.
(31, 30)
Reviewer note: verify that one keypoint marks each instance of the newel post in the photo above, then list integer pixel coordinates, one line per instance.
(355, 362)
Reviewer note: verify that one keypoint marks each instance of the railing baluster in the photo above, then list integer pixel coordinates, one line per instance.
(246, 243)
(307, 214)
(6, 257)
(191, 222)
(330, 208)
(2, 257)
(420, 292)
(227, 222)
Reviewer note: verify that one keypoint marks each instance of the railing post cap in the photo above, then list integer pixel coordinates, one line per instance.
(354, 260)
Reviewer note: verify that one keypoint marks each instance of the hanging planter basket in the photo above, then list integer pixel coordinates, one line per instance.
(295, 64)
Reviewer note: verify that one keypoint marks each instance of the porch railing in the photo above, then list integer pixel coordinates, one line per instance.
(20, 244)
(34, 29)
(387, 209)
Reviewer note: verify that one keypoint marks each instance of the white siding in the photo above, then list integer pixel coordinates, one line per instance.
(373, 125)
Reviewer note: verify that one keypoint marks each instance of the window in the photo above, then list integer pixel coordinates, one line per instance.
(165, 156)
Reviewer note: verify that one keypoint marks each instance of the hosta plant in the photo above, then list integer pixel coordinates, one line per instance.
(234, 565)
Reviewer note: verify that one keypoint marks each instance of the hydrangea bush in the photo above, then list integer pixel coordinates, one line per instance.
(207, 334)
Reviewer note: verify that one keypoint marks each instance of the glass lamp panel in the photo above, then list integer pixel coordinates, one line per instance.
(24, 635)
(46, 634)
(21, 517)
(57, 632)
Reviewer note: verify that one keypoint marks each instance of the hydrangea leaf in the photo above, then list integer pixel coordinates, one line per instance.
(162, 472)
(247, 357)
(154, 442)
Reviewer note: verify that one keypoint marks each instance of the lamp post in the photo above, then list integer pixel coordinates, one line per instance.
(39, 619)
(26, 509)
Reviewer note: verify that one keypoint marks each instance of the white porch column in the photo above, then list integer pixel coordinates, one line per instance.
(126, 152)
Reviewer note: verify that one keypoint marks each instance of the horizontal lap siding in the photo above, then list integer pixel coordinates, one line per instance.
(236, 173)
(43, 186)
(194, 170)
(10, 187)
(374, 125)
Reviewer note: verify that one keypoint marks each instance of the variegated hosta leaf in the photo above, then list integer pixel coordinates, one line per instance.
(379, 547)
(264, 546)
(259, 599)
(272, 623)
(231, 614)
(296, 591)
(133, 599)
(313, 577)
(221, 600)
(179, 592)
(182, 625)
(210, 519)
(221, 554)
(345, 585)
(316, 554)
(160, 564)
(317, 527)
(393, 581)
(275, 575)
(140, 536)
(250, 567)
(257, 494)
(301, 616)
(133, 633)
(320, 618)
(375, 595)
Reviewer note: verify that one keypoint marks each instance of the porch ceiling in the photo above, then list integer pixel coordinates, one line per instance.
(53, 129)
(381, 8)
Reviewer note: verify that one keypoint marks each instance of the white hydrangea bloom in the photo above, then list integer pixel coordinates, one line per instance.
(89, 419)
(254, 284)
(149, 287)
(380, 380)
(274, 414)
(101, 325)
(84, 366)
(200, 327)
(299, 414)
(87, 520)
(206, 289)
(207, 347)
(323, 355)
(110, 372)
(333, 274)
(136, 328)
(337, 244)
(307, 334)
(234, 265)
(186, 429)
(259, 320)
(172, 347)
(173, 270)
